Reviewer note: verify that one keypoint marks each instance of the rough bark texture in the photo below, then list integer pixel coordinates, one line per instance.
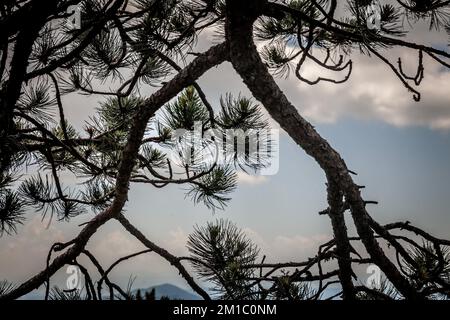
(247, 62)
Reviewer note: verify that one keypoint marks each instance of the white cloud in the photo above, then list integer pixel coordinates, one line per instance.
(287, 248)
(115, 244)
(247, 179)
(297, 247)
(25, 253)
(176, 243)
(374, 93)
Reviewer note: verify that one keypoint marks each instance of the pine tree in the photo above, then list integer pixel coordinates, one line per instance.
(133, 138)
(150, 296)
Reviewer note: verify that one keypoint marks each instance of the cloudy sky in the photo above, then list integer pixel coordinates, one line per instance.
(400, 149)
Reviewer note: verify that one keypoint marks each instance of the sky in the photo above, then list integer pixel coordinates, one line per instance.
(399, 148)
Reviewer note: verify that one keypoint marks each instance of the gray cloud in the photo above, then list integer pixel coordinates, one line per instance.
(374, 93)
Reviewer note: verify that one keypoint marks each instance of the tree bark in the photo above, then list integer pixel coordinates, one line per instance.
(245, 58)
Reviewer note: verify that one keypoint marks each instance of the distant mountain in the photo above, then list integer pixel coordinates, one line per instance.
(170, 291)
(164, 290)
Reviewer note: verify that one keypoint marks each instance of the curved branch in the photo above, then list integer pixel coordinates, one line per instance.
(173, 260)
(248, 64)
